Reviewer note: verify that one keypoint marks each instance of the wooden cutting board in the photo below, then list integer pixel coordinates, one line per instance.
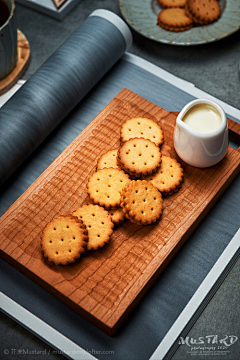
(105, 285)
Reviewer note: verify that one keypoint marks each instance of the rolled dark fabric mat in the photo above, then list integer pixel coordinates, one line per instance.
(58, 86)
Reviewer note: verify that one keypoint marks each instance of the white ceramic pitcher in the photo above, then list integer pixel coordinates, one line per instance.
(201, 148)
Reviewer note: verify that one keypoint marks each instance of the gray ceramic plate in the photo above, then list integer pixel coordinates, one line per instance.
(141, 15)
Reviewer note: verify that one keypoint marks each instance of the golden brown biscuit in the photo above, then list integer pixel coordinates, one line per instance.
(203, 12)
(99, 225)
(141, 202)
(117, 216)
(64, 239)
(174, 19)
(141, 128)
(108, 160)
(168, 177)
(172, 3)
(104, 187)
(139, 157)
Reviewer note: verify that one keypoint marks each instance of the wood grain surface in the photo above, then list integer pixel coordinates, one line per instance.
(105, 285)
(23, 59)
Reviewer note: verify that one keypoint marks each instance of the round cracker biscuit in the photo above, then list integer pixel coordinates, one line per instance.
(168, 177)
(141, 128)
(104, 187)
(99, 225)
(117, 216)
(174, 19)
(108, 160)
(141, 202)
(172, 3)
(139, 157)
(64, 239)
(203, 12)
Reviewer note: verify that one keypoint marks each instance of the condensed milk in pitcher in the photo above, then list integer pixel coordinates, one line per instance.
(201, 133)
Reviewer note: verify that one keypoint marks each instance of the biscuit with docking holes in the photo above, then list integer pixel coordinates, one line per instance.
(108, 160)
(169, 177)
(105, 185)
(117, 216)
(64, 239)
(139, 157)
(203, 12)
(141, 128)
(99, 225)
(141, 202)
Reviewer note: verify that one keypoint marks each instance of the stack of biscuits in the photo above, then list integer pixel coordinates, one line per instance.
(129, 182)
(181, 15)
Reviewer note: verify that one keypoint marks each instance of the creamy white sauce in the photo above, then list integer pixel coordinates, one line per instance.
(203, 118)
